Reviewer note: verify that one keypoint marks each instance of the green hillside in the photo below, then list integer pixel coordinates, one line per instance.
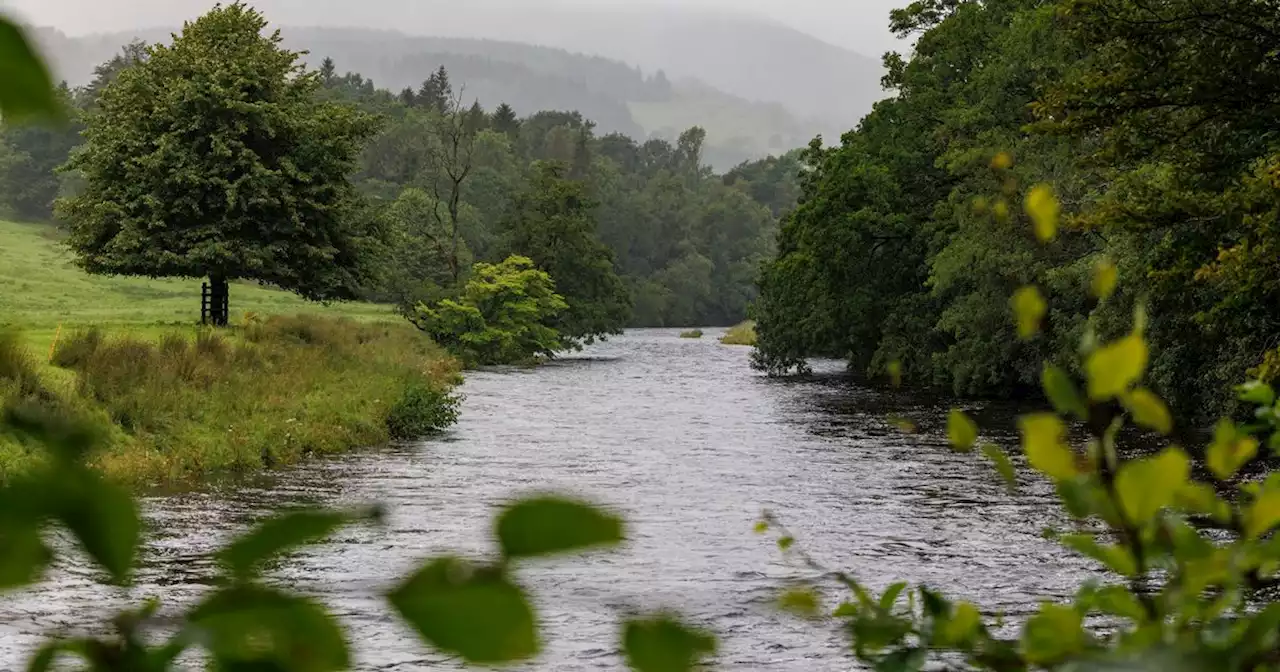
(40, 288)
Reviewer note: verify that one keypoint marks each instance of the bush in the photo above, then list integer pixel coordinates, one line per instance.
(503, 316)
(692, 333)
(741, 334)
(424, 409)
(72, 351)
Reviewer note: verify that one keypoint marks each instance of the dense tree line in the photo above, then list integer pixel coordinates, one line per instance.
(911, 235)
(446, 182)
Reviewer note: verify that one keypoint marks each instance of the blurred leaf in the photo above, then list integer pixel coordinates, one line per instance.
(1148, 410)
(549, 525)
(1105, 279)
(1118, 601)
(103, 517)
(1043, 208)
(23, 555)
(891, 595)
(894, 369)
(26, 89)
(762, 527)
(1263, 514)
(1145, 486)
(253, 627)
(904, 425)
(1001, 461)
(785, 543)
(960, 627)
(474, 612)
(662, 643)
(1114, 368)
(282, 533)
(1229, 451)
(962, 431)
(66, 437)
(802, 601)
(1201, 498)
(1256, 392)
(1029, 309)
(1116, 558)
(1043, 440)
(1062, 393)
(1052, 635)
(1002, 161)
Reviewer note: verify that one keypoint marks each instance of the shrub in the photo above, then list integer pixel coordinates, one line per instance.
(425, 408)
(741, 334)
(73, 351)
(692, 333)
(503, 316)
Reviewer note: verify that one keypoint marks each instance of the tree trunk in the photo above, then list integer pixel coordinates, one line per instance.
(219, 301)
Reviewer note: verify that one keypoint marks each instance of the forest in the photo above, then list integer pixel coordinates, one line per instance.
(911, 234)
(686, 242)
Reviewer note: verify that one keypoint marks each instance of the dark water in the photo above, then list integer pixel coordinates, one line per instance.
(683, 439)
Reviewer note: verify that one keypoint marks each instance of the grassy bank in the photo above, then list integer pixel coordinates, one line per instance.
(196, 401)
(40, 288)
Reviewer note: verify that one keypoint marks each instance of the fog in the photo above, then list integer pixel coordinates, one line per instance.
(860, 25)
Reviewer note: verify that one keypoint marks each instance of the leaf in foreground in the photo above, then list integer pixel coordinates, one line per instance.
(282, 533)
(1116, 367)
(1029, 309)
(550, 525)
(252, 627)
(663, 644)
(1043, 440)
(475, 612)
(962, 431)
(103, 517)
(26, 89)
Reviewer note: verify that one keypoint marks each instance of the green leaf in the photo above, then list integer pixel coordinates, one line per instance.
(1105, 279)
(1062, 393)
(662, 643)
(1116, 558)
(785, 543)
(1044, 441)
(1118, 601)
(261, 627)
(891, 595)
(762, 527)
(960, 627)
(802, 601)
(550, 525)
(26, 89)
(103, 517)
(1148, 410)
(475, 612)
(1256, 392)
(1145, 486)
(282, 533)
(23, 555)
(1200, 498)
(1029, 309)
(1052, 635)
(1002, 464)
(1230, 450)
(1114, 368)
(1043, 208)
(962, 431)
(1263, 514)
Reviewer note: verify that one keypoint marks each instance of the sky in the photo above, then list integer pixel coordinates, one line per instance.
(860, 25)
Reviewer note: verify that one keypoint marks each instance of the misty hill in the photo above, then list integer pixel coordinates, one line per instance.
(618, 97)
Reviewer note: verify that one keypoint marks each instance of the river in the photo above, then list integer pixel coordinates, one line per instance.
(684, 440)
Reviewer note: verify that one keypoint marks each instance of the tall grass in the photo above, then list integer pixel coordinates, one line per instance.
(741, 334)
(267, 394)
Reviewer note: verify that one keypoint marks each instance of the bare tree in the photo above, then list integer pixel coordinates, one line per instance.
(449, 162)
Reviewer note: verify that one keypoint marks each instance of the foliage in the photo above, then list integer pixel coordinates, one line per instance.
(213, 158)
(267, 394)
(692, 333)
(506, 314)
(741, 334)
(912, 235)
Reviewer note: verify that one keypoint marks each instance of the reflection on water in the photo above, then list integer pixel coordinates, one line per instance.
(690, 445)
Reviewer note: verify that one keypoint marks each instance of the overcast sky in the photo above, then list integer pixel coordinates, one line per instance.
(856, 24)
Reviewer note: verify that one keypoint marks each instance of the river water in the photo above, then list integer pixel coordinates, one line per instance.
(684, 440)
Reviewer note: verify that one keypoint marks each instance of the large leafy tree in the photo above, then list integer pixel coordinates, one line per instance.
(213, 157)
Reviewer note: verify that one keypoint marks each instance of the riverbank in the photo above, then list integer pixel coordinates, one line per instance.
(182, 402)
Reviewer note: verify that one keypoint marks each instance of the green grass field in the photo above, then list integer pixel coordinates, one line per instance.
(40, 288)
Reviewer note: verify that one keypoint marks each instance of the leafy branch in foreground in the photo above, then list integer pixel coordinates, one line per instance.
(1180, 597)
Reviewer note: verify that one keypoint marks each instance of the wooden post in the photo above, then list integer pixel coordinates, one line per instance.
(204, 303)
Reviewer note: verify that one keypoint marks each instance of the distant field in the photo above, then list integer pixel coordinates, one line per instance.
(40, 289)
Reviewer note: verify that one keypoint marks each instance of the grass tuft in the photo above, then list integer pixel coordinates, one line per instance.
(692, 333)
(741, 334)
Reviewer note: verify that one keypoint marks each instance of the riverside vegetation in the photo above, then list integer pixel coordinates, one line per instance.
(1192, 555)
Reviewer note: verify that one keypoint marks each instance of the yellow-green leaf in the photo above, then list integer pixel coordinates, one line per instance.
(1001, 461)
(1043, 208)
(1263, 513)
(1145, 486)
(1053, 635)
(802, 601)
(1200, 498)
(894, 369)
(1229, 451)
(762, 527)
(1044, 441)
(1062, 393)
(1029, 309)
(1116, 558)
(1148, 410)
(962, 431)
(1105, 279)
(961, 626)
(1002, 161)
(1114, 368)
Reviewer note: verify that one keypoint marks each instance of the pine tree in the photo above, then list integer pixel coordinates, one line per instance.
(505, 120)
